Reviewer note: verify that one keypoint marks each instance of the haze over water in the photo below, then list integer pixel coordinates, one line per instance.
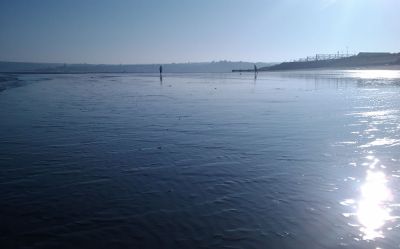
(287, 160)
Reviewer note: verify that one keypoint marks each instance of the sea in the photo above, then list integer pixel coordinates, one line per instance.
(301, 159)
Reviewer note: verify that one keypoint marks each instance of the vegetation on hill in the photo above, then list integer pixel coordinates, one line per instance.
(359, 60)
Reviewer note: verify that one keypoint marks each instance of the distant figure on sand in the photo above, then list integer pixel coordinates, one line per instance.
(160, 74)
(255, 69)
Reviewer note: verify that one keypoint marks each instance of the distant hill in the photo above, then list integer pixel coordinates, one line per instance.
(359, 60)
(25, 66)
(202, 67)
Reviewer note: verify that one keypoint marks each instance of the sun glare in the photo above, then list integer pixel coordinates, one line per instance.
(372, 209)
(375, 74)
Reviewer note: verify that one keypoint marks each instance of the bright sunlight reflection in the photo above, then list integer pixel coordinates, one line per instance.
(372, 210)
(375, 74)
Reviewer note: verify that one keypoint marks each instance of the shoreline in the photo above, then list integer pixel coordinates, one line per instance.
(384, 67)
(363, 60)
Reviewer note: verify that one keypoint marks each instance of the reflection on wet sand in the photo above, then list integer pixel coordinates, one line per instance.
(342, 79)
(372, 208)
(371, 211)
(201, 160)
(374, 74)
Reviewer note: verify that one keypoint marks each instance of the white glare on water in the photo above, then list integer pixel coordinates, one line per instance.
(375, 74)
(372, 211)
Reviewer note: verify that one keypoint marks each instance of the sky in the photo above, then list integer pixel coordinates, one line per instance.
(166, 31)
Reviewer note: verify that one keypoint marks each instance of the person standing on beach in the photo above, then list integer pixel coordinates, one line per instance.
(160, 69)
(255, 72)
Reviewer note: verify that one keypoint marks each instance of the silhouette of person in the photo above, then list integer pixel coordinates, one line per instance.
(255, 69)
(160, 69)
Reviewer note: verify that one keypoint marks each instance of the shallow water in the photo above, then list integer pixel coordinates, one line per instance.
(287, 160)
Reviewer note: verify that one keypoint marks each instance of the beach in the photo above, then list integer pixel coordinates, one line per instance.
(284, 160)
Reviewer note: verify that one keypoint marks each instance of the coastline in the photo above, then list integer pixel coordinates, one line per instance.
(363, 60)
(382, 67)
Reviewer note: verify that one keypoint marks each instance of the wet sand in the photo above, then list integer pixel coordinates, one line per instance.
(286, 160)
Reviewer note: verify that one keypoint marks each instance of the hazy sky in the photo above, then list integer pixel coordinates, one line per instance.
(151, 31)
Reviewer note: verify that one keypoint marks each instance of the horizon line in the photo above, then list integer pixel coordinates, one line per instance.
(128, 64)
